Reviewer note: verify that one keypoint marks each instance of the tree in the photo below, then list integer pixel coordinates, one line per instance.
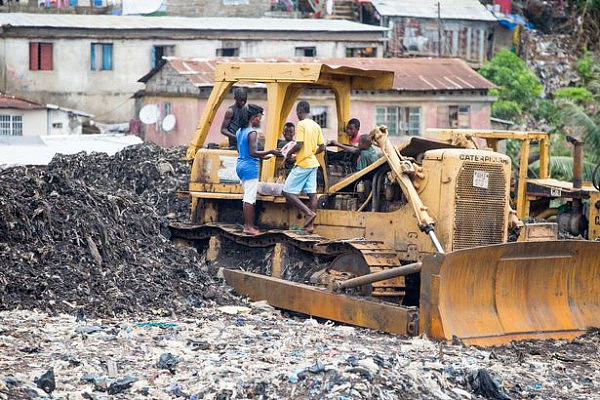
(518, 89)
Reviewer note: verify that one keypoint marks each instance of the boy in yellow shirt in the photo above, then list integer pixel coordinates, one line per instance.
(303, 177)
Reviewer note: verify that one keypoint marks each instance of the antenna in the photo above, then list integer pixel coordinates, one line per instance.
(149, 114)
(169, 123)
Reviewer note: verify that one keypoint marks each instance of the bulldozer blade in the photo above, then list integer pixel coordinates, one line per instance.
(495, 294)
(323, 303)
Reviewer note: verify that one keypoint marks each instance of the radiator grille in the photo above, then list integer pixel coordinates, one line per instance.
(480, 212)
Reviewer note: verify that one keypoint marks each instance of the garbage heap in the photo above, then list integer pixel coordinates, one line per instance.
(88, 234)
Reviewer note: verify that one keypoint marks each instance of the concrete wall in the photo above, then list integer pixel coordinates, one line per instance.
(107, 94)
(61, 122)
(188, 111)
(218, 8)
(35, 122)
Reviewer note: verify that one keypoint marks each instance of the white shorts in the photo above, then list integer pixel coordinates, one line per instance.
(250, 190)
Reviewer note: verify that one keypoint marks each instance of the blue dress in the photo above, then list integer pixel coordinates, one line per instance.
(247, 167)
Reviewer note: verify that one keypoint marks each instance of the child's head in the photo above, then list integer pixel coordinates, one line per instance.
(240, 96)
(364, 142)
(288, 131)
(352, 127)
(255, 113)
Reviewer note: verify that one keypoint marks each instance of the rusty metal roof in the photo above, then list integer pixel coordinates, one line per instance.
(7, 101)
(449, 9)
(78, 21)
(410, 74)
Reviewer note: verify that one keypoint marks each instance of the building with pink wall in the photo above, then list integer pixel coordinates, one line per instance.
(427, 93)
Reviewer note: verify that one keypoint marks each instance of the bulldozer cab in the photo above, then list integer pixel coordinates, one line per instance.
(284, 83)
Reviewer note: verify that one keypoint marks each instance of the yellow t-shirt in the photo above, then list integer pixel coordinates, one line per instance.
(310, 134)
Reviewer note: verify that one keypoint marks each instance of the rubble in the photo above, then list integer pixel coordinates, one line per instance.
(88, 235)
(272, 356)
(553, 60)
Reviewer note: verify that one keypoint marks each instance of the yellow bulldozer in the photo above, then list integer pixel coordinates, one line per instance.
(416, 243)
(577, 209)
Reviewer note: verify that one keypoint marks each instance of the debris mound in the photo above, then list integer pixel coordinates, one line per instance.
(87, 234)
(152, 172)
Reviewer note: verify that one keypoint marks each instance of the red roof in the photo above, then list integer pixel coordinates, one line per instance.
(410, 74)
(7, 101)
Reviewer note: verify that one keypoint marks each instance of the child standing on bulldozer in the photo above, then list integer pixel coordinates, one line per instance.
(303, 177)
(248, 163)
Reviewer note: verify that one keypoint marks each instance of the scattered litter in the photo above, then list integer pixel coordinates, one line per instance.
(278, 358)
(233, 310)
(46, 382)
(121, 385)
(484, 385)
(167, 361)
(156, 323)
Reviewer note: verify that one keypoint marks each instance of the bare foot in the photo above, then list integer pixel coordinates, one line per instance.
(308, 222)
(251, 231)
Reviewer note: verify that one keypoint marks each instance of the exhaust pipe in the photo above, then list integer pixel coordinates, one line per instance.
(577, 161)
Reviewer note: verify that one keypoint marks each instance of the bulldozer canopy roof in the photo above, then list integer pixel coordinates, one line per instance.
(320, 74)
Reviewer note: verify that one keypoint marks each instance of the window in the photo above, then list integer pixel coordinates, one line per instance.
(306, 51)
(361, 52)
(166, 106)
(399, 120)
(101, 56)
(319, 115)
(459, 116)
(40, 56)
(414, 121)
(158, 52)
(11, 125)
(387, 116)
(228, 52)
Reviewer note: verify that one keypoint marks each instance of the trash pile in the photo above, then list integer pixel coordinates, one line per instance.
(553, 60)
(87, 235)
(253, 351)
(152, 172)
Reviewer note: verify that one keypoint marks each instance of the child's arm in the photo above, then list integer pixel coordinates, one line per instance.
(253, 144)
(345, 147)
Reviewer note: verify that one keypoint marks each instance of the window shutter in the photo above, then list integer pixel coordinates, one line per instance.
(107, 57)
(93, 57)
(46, 56)
(33, 56)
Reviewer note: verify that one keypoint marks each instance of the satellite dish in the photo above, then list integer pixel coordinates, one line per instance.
(149, 114)
(168, 123)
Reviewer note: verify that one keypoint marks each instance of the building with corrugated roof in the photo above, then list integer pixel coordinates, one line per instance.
(435, 28)
(427, 93)
(22, 117)
(93, 62)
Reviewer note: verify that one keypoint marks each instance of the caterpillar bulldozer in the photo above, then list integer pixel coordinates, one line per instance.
(577, 208)
(416, 243)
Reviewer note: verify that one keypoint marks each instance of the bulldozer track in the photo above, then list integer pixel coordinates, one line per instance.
(373, 255)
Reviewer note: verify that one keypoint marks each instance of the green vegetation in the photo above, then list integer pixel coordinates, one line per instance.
(578, 95)
(585, 67)
(517, 87)
(573, 111)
